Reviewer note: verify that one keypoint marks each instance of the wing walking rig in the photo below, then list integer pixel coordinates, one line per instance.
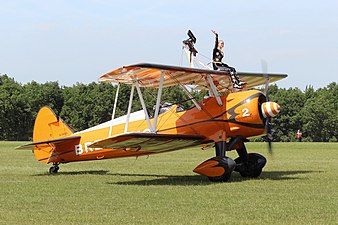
(223, 120)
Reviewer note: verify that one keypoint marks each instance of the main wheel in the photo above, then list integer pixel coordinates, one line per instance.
(253, 168)
(224, 178)
(251, 173)
(228, 165)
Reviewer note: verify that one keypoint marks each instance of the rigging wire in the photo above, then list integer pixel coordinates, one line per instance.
(181, 58)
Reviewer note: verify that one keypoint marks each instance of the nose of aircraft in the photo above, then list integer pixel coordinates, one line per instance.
(270, 109)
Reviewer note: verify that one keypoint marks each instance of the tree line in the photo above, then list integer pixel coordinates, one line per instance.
(314, 112)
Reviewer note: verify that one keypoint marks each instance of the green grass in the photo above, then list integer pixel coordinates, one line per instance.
(298, 186)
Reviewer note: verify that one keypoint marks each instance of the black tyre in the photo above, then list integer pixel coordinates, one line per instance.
(54, 170)
(255, 165)
(223, 178)
(228, 164)
(251, 173)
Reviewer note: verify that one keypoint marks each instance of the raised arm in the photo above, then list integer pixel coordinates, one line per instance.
(216, 39)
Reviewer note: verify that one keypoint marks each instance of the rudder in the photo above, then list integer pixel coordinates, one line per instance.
(48, 126)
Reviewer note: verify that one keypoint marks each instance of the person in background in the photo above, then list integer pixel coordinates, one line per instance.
(217, 56)
(299, 136)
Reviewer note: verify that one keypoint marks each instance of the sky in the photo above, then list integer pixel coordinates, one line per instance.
(72, 41)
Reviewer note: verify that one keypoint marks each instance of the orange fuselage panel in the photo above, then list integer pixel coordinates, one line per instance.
(239, 115)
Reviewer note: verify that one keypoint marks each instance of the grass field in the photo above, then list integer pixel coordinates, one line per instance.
(299, 185)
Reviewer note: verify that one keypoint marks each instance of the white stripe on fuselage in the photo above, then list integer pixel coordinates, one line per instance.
(138, 115)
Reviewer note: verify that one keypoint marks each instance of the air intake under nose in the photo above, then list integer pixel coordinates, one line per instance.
(270, 109)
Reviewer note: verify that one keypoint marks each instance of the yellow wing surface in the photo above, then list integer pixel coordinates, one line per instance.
(149, 142)
(148, 75)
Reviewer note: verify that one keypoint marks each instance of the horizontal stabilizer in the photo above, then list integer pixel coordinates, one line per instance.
(31, 146)
(149, 142)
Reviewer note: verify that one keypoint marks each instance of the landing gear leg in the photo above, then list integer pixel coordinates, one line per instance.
(249, 165)
(54, 169)
(243, 154)
(220, 148)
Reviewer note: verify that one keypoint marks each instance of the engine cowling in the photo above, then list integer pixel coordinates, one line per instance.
(247, 113)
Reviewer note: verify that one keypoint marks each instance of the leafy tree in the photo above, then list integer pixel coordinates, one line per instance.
(88, 105)
(38, 95)
(320, 115)
(290, 119)
(315, 112)
(15, 113)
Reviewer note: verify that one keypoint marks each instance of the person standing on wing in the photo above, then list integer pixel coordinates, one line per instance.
(217, 56)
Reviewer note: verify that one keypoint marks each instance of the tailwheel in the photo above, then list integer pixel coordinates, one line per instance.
(253, 167)
(54, 169)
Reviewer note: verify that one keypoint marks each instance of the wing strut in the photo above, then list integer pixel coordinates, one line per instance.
(214, 90)
(158, 100)
(129, 107)
(144, 106)
(114, 110)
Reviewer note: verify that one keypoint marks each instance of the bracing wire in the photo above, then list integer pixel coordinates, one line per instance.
(181, 58)
(208, 58)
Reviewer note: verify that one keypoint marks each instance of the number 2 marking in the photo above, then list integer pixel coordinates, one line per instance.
(245, 112)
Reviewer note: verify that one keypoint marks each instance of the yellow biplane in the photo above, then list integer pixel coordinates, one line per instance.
(223, 120)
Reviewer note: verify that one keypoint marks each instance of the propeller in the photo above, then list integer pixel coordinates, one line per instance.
(268, 123)
(267, 78)
(269, 134)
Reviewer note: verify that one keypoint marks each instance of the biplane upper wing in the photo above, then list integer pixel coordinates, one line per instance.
(149, 142)
(148, 75)
(257, 79)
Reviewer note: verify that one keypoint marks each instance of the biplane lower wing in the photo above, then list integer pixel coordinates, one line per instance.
(149, 142)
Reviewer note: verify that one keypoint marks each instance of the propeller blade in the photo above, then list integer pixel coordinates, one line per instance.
(267, 79)
(269, 135)
(266, 92)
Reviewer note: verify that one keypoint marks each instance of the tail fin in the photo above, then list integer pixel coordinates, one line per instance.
(48, 126)
(50, 132)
